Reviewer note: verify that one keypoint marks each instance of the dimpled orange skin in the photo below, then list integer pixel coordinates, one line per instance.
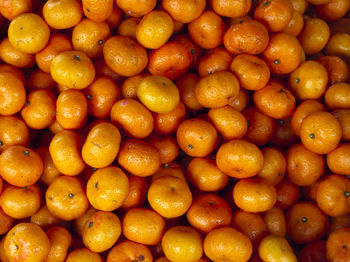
(44, 218)
(11, 9)
(97, 10)
(127, 251)
(143, 226)
(60, 240)
(107, 188)
(20, 166)
(27, 242)
(184, 11)
(191, 135)
(101, 231)
(338, 160)
(320, 132)
(13, 131)
(124, 55)
(133, 117)
(101, 146)
(254, 195)
(6, 223)
(66, 198)
(65, 152)
(139, 157)
(169, 196)
(231, 8)
(82, 255)
(14, 57)
(239, 159)
(337, 96)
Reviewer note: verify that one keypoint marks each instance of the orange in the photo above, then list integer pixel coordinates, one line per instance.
(57, 44)
(295, 25)
(96, 10)
(217, 89)
(337, 69)
(11, 9)
(171, 60)
(20, 166)
(239, 159)
(114, 18)
(107, 188)
(28, 33)
(168, 123)
(275, 101)
(338, 159)
(194, 49)
(251, 71)
(79, 223)
(254, 195)
(90, 36)
(337, 96)
(338, 45)
(225, 243)
(246, 36)
(309, 80)
(274, 166)
(138, 187)
(287, 193)
(231, 8)
(82, 255)
(44, 218)
(196, 137)
(337, 245)
(250, 224)
(41, 80)
(101, 145)
(101, 95)
(20, 202)
(184, 11)
(283, 54)
(169, 196)
(302, 111)
(314, 36)
(16, 58)
(72, 69)
(124, 55)
(182, 243)
(136, 8)
(130, 85)
(274, 248)
(187, 84)
(209, 211)
(66, 198)
(207, 30)
(170, 169)
(128, 27)
(132, 117)
(320, 132)
(333, 195)
(333, 9)
(39, 110)
(304, 167)
(14, 70)
(62, 14)
(158, 93)
(275, 221)
(60, 240)
(166, 145)
(13, 131)
(101, 231)
(306, 222)
(139, 157)
(27, 242)
(229, 122)
(12, 94)
(6, 224)
(65, 152)
(342, 115)
(126, 251)
(143, 226)
(283, 135)
(217, 59)
(339, 222)
(154, 29)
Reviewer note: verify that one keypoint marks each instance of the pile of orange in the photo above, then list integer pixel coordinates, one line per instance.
(174, 130)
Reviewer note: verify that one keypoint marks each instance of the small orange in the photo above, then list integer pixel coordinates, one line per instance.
(254, 195)
(207, 30)
(101, 231)
(139, 157)
(96, 10)
(13, 131)
(337, 245)
(343, 116)
(20, 202)
(16, 58)
(231, 8)
(194, 49)
(283, 135)
(115, 17)
(11, 9)
(338, 160)
(90, 36)
(80, 222)
(66, 198)
(169, 196)
(128, 27)
(287, 193)
(320, 132)
(72, 69)
(136, 197)
(136, 8)
(126, 251)
(20, 166)
(187, 84)
(196, 137)
(168, 123)
(130, 85)
(27, 242)
(107, 188)
(295, 25)
(337, 69)
(15, 71)
(333, 10)
(251, 71)
(143, 226)
(299, 5)
(338, 45)
(124, 55)
(6, 223)
(217, 59)
(275, 221)
(239, 159)
(44, 218)
(62, 14)
(182, 243)
(276, 248)
(184, 11)
(227, 242)
(170, 169)
(154, 29)
(41, 80)
(337, 96)
(82, 255)
(60, 240)
(166, 145)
